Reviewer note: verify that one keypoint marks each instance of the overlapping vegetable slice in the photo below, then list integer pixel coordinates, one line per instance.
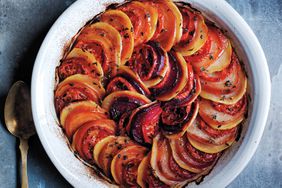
(227, 86)
(106, 149)
(104, 42)
(189, 158)
(174, 80)
(120, 21)
(150, 62)
(218, 140)
(222, 116)
(89, 134)
(190, 92)
(126, 79)
(209, 148)
(143, 18)
(120, 102)
(146, 177)
(169, 28)
(195, 31)
(215, 55)
(143, 124)
(78, 87)
(76, 114)
(128, 49)
(122, 123)
(175, 120)
(165, 167)
(124, 166)
(79, 61)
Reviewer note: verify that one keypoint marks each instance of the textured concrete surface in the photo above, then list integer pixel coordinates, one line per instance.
(23, 25)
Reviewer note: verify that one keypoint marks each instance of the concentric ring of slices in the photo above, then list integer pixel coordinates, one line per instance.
(151, 93)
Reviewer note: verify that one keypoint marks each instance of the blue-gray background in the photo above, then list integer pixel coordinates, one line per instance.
(23, 25)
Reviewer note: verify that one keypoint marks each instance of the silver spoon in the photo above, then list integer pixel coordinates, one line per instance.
(18, 119)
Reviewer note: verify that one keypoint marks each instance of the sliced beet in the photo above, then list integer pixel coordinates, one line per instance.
(144, 123)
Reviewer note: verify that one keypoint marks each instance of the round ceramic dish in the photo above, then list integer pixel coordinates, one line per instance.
(43, 83)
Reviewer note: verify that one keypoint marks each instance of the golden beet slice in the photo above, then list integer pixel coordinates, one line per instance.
(119, 102)
(97, 153)
(78, 87)
(120, 21)
(223, 60)
(142, 170)
(105, 150)
(227, 86)
(89, 134)
(76, 114)
(146, 177)
(105, 42)
(79, 61)
(169, 28)
(143, 18)
(221, 116)
(175, 79)
(214, 55)
(125, 164)
(195, 32)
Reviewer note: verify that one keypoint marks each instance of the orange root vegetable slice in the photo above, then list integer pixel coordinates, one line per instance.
(89, 134)
(215, 54)
(176, 120)
(165, 167)
(175, 79)
(227, 86)
(143, 18)
(79, 61)
(195, 32)
(105, 150)
(169, 28)
(143, 123)
(125, 164)
(202, 132)
(146, 177)
(126, 79)
(142, 171)
(120, 21)
(189, 158)
(78, 87)
(76, 114)
(150, 62)
(209, 148)
(104, 42)
(120, 102)
(221, 116)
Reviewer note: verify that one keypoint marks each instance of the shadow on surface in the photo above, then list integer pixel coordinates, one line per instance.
(24, 70)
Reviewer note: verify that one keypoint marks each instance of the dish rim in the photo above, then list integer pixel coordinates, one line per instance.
(261, 81)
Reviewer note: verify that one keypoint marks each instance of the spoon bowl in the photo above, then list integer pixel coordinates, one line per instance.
(17, 113)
